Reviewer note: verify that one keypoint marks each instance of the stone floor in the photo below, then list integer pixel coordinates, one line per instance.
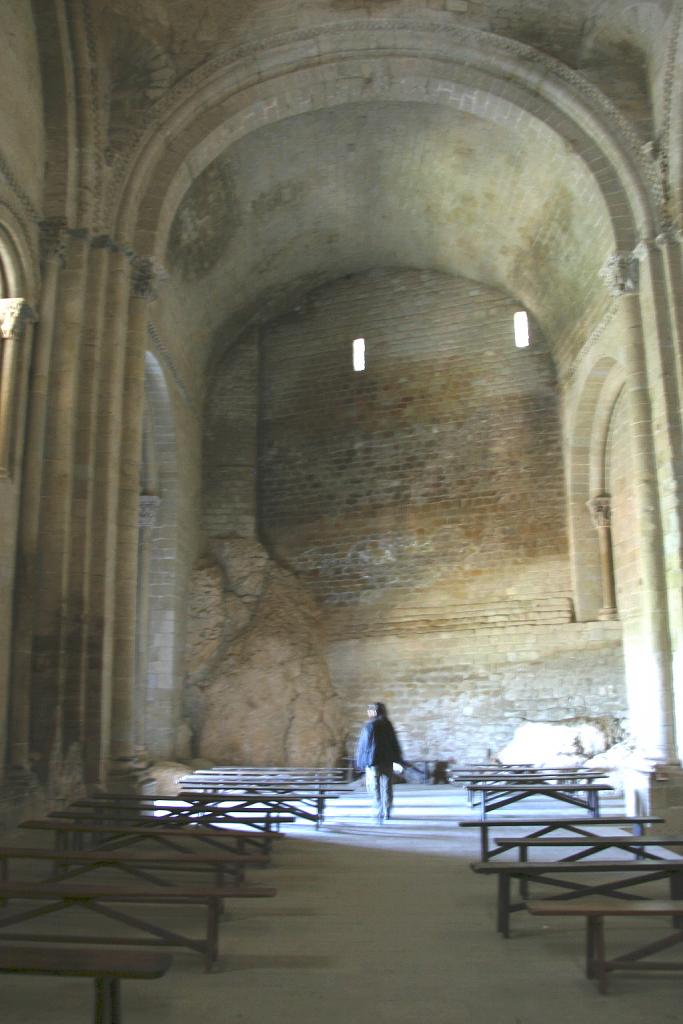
(374, 924)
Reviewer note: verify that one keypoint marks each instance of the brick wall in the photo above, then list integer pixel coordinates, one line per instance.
(423, 503)
(462, 694)
(434, 477)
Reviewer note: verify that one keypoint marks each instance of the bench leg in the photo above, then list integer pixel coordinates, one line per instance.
(214, 908)
(107, 1001)
(504, 904)
(595, 952)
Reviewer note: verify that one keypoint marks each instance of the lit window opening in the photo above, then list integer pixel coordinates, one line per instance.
(359, 354)
(521, 325)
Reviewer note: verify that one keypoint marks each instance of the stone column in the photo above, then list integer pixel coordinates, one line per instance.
(667, 258)
(647, 657)
(103, 533)
(15, 345)
(14, 313)
(60, 475)
(53, 255)
(600, 511)
(149, 509)
(126, 771)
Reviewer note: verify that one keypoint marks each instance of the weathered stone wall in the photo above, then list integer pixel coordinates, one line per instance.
(22, 143)
(259, 690)
(423, 504)
(432, 479)
(462, 693)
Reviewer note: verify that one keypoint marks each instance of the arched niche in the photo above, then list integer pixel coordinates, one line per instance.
(587, 488)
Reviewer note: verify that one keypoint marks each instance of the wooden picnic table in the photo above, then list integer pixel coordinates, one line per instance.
(515, 781)
(103, 900)
(209, 783)
(495, 795)
(222, 807)
(212, 806)
(527, 773)
(140, 863)
(73, 835)
(544, 826)
(578, 879)
(580, 848)
(107, 967)
(176, 810)
(595, 911)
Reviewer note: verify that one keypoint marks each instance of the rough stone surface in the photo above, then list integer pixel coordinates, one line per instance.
(262, 692)
(559, 743)
(163, 776)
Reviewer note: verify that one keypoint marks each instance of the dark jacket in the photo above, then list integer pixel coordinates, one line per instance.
(378, 744)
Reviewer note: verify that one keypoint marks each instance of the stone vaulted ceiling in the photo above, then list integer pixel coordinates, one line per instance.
(385, 184)
(349, 186)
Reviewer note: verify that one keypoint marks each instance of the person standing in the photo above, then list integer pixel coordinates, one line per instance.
(377, 751)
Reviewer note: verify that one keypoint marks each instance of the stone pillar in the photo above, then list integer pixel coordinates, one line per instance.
(60, 472)
(126, 771)
(647, 657)
(14, 313)
(149, 509)
(53, 254)
(666, 261)
(15, 346)
(600, 510)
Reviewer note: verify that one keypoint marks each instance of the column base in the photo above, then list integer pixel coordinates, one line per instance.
(608, 615)
(656, 789)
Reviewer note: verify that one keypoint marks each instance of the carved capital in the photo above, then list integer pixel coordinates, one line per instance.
(105, 242)
(670, 235)
(14, 313)
(53, 235)
(600, 509)
(621, 273)
(149, 507)
(143, 275)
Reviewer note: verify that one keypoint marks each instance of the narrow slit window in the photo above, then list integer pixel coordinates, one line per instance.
(359, 354)
(521, 324)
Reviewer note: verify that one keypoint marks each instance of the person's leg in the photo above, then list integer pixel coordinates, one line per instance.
(372, 784)
(385, 790)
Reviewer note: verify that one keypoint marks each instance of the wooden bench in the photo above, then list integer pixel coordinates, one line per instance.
(107, 967)
(162, 815)
(495, 795)
(103, 900)
(217, 807)
(140, 863)
(644, 847)
(578, 880)
(544, 825)
(173, 808)
(595, 911)
(212, 783)
(516, 780)
(73, 835)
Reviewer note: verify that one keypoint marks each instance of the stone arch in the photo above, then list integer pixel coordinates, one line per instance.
(156, 656)
(509, 81)
(18, 273)
(586, 480)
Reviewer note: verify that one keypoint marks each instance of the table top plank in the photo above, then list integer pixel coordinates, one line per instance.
(587, 907)
(83, 962)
